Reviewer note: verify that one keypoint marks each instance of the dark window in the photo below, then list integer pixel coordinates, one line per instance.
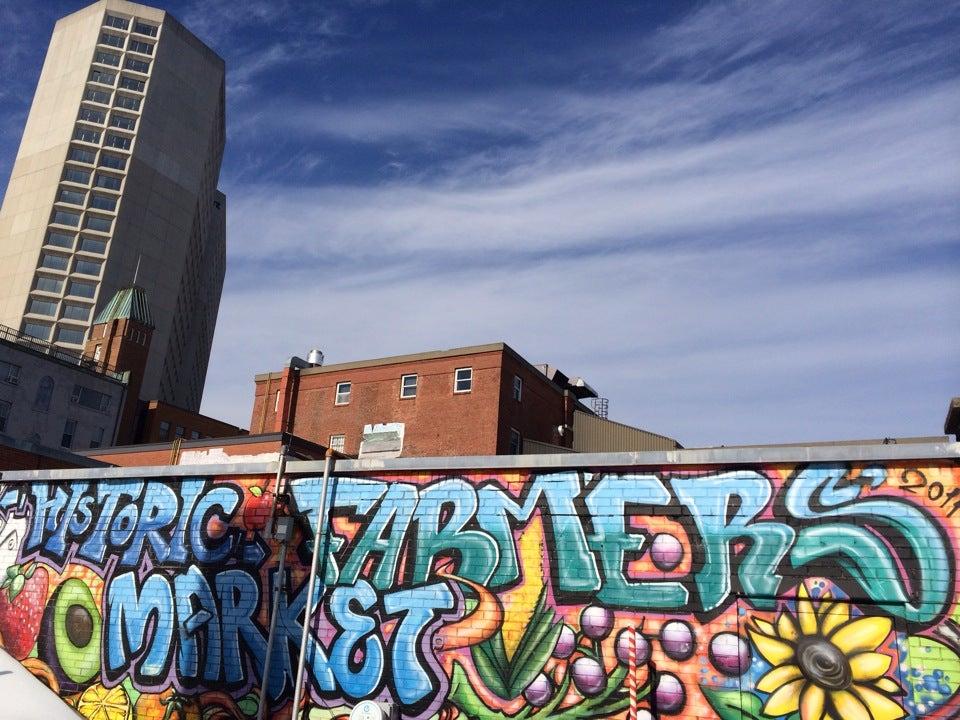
(178, 432)
(343, 393)
(164, 433)
(111, 40)
(37, 330)
(59, 239)
(93, 245)
(81, 289)
(54, 262)
(73, 197)
(516, 442)
(90, 398)
(81, 155)
(62, 217)
(42, 307)
(76, 175)
(106, 58)
(74, 336)
(103, 77)
(76, 312)
(127, 103)
(103, 202)
(9, 373)
(123, 122)
(69, 430)
(116, 22)
(41, 400)
(86, 267)
(100, 224)
(85, 134)
(140, 47)
(91, 115)
(145, 29)
(194, 435)
(49, 284)
(517, 388)
(97, 96)
(110, 182)
(4, 414)
(96, 439)
(137, 65)
(117, 141)
(117, 162)
(129, 83)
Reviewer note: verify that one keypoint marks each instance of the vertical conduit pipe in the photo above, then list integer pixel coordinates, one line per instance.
(308, 611)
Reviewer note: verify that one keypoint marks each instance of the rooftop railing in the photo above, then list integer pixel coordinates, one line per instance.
(44, 347)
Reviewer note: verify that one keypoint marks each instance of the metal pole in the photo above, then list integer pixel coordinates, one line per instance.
(320, 531)
(278, 587)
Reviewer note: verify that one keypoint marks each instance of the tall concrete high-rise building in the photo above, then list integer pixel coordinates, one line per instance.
(115, 181)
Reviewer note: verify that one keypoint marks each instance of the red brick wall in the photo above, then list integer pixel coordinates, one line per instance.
(17, 459)
(157, 412)
(438, 421)
(540, 410)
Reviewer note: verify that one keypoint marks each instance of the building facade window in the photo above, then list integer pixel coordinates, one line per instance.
(178, 431)
(4, 414)
(76, 175)
(92, 116)
(145, 29)
(81, 155)
(73, 336)
(69, 430)
(37, 330)
(90, 398)
(137, 65)
(408, 386)
(463, 380)
(129, 83)
(96, 439)
(103, 77)
(194, 435)
(41, 401)
(111, 40)
(86, 267)
(97, 96)
(81, 289)
(100, 224)
(108, 182)
(60, 240)
(73, 197)
(42, 307)
(117, 141)
(106, 58)
(49, 284)
(103, 202)
(516, 442)
(338, 442)
(84, 134)
(343, 393)
(116, 22)
(54, 262)
(76, 312)
(127, 103)
(164, 433)
(62, 217)
(97, 352)
(517, 388)
(123, 122)
(141, 47)
(93, 245)
(9, 373)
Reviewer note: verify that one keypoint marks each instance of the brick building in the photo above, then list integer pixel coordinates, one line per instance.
(479, 400)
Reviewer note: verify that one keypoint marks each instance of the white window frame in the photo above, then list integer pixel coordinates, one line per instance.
(518, 388)
(341, 397)
(457, 379)
(404, 395)
(338, 439)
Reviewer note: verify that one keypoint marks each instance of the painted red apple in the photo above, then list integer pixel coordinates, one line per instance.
(256, 509)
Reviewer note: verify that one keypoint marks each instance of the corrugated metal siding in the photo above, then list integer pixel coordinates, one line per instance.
(593, 434)
(535, 447)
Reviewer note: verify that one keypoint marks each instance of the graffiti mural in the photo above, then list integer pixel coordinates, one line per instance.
(815, 592)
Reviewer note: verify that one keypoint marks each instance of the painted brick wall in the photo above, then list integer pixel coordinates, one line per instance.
(781, 591)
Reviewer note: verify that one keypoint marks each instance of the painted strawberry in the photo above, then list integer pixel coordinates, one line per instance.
(256, 509)
(23, 595)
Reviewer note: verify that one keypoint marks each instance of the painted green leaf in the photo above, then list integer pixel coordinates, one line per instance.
(490, 659)
(249, 704)
(734, 704)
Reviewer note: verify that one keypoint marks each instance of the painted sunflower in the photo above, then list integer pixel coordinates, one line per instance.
(825, 664)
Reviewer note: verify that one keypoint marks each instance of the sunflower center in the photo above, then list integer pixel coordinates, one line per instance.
(824, 663)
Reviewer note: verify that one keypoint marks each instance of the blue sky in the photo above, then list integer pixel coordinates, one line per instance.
(738, 221)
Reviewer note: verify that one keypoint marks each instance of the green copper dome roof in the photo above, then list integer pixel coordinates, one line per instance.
(129, 303)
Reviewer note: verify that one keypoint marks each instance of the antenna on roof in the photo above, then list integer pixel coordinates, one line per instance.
(137, 271)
